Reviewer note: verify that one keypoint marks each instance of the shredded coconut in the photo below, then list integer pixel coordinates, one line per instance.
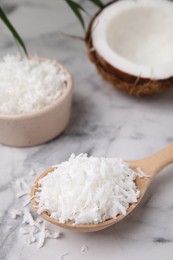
(39, 220)
(63, 256)
(15, 213)
(33, 228)
(45, 233)
(84, 249)
(87, 190)
(28, 85)
(23, 231)
(30, 238)
(42, 236)
(27, 201)
(32, 172)
(28, 218)
(22, 188)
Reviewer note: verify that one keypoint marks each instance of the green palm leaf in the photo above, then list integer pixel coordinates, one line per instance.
(76, 9)
(12, 30)
(97, 2)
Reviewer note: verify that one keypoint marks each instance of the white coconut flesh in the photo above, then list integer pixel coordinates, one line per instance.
(136, 37)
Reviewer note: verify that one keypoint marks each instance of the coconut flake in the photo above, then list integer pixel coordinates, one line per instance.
(32, 229)
(63, 256)
(84, 249)
(28, 218)
(15, 213)
(39, 220)
(27, 201)
(23, 231)
(29, 234)
(41, 236)
(52, 234)
(32, 172)
(30, 238)
(88, 190)
(46, 233)
(22, 188)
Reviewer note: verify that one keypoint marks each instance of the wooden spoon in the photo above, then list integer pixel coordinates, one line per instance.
(150, 166)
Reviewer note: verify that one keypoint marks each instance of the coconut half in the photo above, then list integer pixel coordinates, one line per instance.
(131, 44)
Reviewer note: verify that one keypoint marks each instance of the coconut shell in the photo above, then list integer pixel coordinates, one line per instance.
(135, 86)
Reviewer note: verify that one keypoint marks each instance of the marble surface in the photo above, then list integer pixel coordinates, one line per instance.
(104, 122)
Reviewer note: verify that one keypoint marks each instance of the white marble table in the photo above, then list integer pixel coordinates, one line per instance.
(104, 122)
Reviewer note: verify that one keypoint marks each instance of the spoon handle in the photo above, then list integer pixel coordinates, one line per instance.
(156, 162)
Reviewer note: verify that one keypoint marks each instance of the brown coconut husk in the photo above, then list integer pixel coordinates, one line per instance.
(136, 86)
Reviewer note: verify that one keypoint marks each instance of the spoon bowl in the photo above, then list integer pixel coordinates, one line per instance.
(150, 166)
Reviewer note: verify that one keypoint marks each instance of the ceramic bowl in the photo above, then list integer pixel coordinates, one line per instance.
(38, 127)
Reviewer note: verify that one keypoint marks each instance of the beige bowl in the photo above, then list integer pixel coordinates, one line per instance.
(38, 127)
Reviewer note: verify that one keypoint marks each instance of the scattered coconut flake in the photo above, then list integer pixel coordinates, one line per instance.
(52, 234)
(22, 184)
(15, 213)
(21, 194)
(27, 201)
(88, 190)
(29, 234)
(39, 220)
(37, 225)
(47, 233)
(28, 85)
(32, 229)
(28, 218)
(22, 188)
(35, 229)
(84, 249)
(30, 238)
(32, 172)
(41, 236)
(23, 231)
(63, 256)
